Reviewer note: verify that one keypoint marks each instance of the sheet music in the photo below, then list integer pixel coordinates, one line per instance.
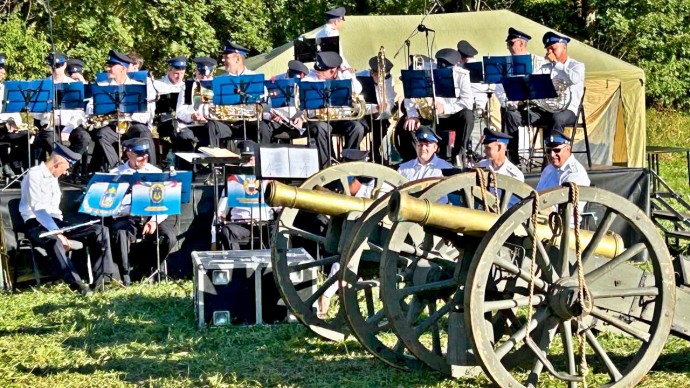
(189, 156)
(275, 162)
(304, 162)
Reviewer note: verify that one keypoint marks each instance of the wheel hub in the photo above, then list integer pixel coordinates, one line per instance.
(564, 298)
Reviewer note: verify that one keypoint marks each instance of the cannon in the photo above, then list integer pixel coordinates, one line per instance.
(450, 286)
(315, 200)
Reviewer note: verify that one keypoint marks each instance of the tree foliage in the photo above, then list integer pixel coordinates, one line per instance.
(652, 34)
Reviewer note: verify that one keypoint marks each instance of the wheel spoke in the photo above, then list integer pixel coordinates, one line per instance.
(543, 260)
(315, 263)
(435, 331)
(505, 200)
(565, 240)
(611, 265)
(623, 292)
(519, 335)
(507, 304)
(568, 350)
(317, 294)
(374, 247)
(346, 185)
(609, 217)
(289, 230)
(620, 324)
(601, 352)
(433, 286)
(432, 319)
(512, 268)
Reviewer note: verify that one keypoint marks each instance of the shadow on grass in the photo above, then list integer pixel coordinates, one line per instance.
(155, 338)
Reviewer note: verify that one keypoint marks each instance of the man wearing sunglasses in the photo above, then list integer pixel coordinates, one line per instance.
(563, 167)
(40, 208)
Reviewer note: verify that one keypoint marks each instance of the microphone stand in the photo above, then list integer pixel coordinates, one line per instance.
(434, 7)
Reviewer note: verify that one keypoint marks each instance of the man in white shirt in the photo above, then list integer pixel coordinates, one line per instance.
(124, 227)
(334, 23)
(562, 167)
(79, 138)
(562, 69)
(454, 113)
(177, 67)
(40, 209)
(377, 115)
(10, 133)
(66, 120)
(233, 62)
(236, 222)
(326, 68)
(427, 164)
(495, 146)
(106, 153)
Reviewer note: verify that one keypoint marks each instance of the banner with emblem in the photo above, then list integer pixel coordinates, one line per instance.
(156, 198)
(244, 191)
(102, 199)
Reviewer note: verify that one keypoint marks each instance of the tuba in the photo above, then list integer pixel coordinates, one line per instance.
(561, 101)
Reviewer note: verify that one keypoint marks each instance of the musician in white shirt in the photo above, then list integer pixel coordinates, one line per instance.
(10, 133)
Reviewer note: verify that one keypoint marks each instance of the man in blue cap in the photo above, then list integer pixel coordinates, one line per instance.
(427, 164)
(334, 23)
(75, 70)
(377, 115)
(124, 228)
(454, 113)
(197, 126)
(495, 146)
(326, 68)
(562, 167)
(288, 120)
(10, 133)
(40, 208)
(568, 75)
(234, 56)
(106, 153)
(66, 120)
(177, 66)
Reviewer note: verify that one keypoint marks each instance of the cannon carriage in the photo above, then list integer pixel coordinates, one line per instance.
(447, 272)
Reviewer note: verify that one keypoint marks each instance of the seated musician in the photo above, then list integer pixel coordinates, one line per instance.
(172, 82)
(334, 23)
(106, 153)
(495, 146)
(124, 227)
(197, 125)
(79, 138)
(289, 119)
(233, 63)
(236, 223)
(479, 90)
(427, 164)
(10, 133)
(327, 68)
(455, 114)
(66, 120)
(563, 69)
(376, 119)
(40, 209)
(177, 67)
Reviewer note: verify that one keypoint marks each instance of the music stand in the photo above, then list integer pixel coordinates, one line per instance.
(282, 95)
(529, 87)
(325, 95)
(166, 105)
(305, 49)
(118, 99)
(476, 70)
(28, 97)
(420, 84)
(239, 90)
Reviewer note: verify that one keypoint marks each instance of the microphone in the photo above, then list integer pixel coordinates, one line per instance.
(423, 28)
(438, 4)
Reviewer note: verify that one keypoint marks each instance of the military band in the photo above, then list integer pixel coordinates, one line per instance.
(427, 147)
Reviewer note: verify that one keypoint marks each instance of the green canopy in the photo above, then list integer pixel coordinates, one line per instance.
(615, 89)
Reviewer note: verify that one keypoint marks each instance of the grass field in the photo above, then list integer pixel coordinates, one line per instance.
(147, 335)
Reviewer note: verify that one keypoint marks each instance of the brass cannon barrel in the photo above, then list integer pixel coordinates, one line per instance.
(403, 207)
(317, 201)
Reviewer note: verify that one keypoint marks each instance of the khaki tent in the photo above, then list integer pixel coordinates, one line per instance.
(614, 101)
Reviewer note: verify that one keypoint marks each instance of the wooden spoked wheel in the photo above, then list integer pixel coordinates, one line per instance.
(632, 302)
(422, 274)
(294, 224)
(360, 294)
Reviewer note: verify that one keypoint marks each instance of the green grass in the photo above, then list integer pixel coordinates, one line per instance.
(668, 128)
